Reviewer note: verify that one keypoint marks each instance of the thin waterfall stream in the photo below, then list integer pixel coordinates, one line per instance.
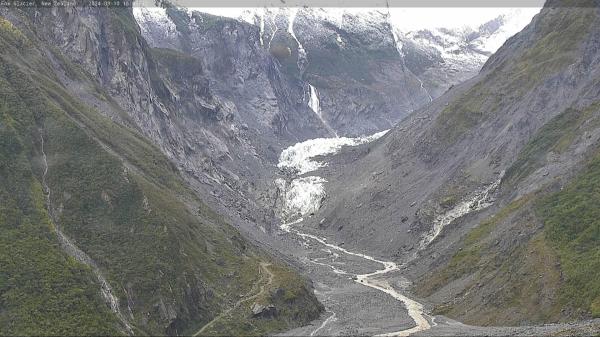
(74, 251)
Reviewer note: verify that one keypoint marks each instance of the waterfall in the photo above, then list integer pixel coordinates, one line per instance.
(315, 104)
(477, 202)
(75, 252)
(261, 27)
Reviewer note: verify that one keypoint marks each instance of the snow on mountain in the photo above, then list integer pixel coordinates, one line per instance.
(441, 46)
(155, 23)
(491, 26)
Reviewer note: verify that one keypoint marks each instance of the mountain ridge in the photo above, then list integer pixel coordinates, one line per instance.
(443, 155)
(171, 261)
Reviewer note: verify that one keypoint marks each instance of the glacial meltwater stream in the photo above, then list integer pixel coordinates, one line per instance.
(303, 196)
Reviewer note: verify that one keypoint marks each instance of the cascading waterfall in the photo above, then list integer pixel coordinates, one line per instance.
(315, 104)
(398, 45)
(423, 89)
(479, 201)
(313, 100)
(397, 42)
(274, 31)
(302, 57)
(261, 27)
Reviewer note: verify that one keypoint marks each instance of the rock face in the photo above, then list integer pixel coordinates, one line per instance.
(195, 109)
(442, 57)
(262, 311)
(488, 156)
(364, 72)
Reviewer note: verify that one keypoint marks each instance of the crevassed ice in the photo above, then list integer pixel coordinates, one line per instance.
(298, 158)
(301, 196)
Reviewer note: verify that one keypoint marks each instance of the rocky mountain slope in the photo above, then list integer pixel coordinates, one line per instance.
(485, 194)
(366, 72)
(123, 130)
(287, 76)
(442, 57)
(103, 235)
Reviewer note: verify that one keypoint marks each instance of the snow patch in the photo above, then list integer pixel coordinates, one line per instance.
(302, 59)
(154, 21)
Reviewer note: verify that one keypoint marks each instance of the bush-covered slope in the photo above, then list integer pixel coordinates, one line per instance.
(43, 291)
(173, 263)
(536, 259)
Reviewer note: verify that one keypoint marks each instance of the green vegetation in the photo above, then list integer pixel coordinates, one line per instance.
(557, 42)
(448, 201)
(289, 295)
(522, 277)
(555, 136)
(572, 224)
(545, 141)
(467, 111)
(565, 255)
(119, 199)
(42, 291)
(468, 258)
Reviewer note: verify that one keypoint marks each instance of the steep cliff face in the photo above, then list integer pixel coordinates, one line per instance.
(358, 74)
(365, 74)
(502, 144)
(89, 116)
(267, 110)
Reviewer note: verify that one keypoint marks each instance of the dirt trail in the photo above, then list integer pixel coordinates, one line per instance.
(264, 266)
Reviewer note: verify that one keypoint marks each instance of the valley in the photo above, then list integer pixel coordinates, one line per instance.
(336, 270)
(300, 171)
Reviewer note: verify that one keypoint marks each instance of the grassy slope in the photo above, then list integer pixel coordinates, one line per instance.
(122, 202)
(42, 291)
(572, 224)
(289, 297)
(567, 249)
(549, 274)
